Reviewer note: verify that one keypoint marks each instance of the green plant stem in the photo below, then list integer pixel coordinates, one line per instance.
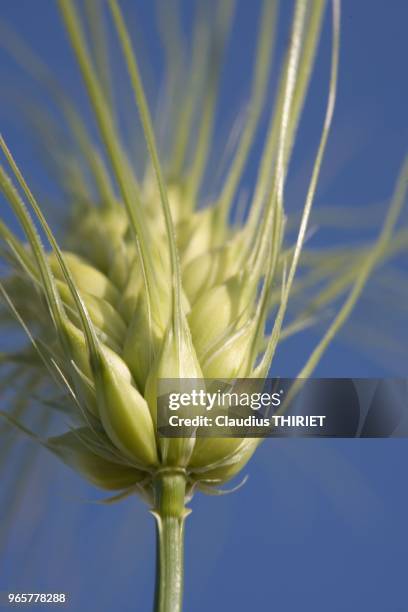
(170, 513)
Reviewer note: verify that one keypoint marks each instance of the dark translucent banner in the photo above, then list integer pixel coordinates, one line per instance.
(282, 407)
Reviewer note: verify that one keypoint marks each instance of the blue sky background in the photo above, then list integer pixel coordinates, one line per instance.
(320, 525)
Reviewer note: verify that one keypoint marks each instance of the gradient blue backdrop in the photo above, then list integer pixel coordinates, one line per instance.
(320, 525)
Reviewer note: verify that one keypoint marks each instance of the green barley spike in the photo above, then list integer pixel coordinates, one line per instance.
(147, 285)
